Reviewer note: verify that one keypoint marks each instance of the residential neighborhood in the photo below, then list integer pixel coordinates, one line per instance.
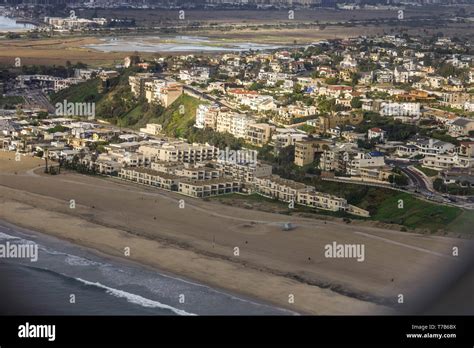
(388, 110)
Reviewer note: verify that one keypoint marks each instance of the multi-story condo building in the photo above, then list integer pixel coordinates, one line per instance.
(208, 188)
(151, 177)
(233, 123)
(259, 134)
(162, 92)
(179, 152)
(152, 129)
(282, 189)
(322, 201)
(206, 116)
(137, 83)
(198, 173)
(305, 150)
(284, 137)
(334, 160)
(400, 109)
(245, 173)
(290, 191)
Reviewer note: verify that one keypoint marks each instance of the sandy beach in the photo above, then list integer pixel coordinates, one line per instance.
(198, 242)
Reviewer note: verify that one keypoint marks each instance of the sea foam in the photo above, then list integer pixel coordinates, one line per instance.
(136, 299)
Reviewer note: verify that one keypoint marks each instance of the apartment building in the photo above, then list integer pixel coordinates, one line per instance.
(137, 83)
(274, 186)
(287, 113)
(305, 150)
(195, 75)
(198, 173)
(322, 201)
(284, 137)
(186, 170)
(457, 100)
(108, 167)
(259, 134)
(179, 152)
(375, 173)
(245, 173)
(162, 92)
(166, 167)
(340, 119)
(208, 188)
(335, 159)
(206, 116)
(400, 109)
(290, 191)
(234, 123)
(151, 177)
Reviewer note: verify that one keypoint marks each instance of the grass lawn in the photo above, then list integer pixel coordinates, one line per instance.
(428, 172)
(268, 204)
(416, 213)
(10, 101)
(307, 128)
(463, 223)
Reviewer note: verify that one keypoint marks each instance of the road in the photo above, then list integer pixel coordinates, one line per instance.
(36, 98)
(420, 185)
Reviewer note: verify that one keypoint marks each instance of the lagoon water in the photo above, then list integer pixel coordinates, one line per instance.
(174, 44)
(10, 24)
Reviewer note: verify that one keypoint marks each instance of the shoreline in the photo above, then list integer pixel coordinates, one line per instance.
(96, 256)
(198, 242)
(11, 212)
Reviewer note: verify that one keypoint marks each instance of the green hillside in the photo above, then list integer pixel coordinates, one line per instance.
(179, 117)
(83, 92)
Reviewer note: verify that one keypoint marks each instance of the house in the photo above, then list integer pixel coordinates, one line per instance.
(365, 160)
(152, 129)
(376, 133)
(461, 127)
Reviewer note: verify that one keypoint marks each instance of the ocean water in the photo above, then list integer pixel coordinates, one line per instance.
(102, 285)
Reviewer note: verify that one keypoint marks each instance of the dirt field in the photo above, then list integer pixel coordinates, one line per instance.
(198, 242)
(55, 51)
